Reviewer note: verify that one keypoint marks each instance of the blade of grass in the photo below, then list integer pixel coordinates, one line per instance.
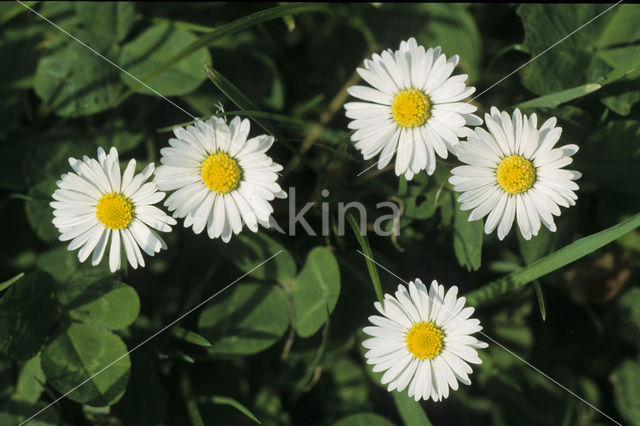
(8, 283)
(552, 262)
(366, 249)
(224, 400)
(308, 377)
(540, 297)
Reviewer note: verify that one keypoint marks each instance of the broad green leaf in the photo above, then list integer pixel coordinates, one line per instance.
(368, 256)
(467, 240)
(628, 312)
(552, 262)
(316, 291)
(348, 388)
(453, 27)
(14, 412)
(364, 419)
(27, 316)
(111, 21)
(73, 81)
(189, 336)
(105, 303)
(31, 381)
(151, 48)
(40, 213)
(626, 390)
(410, 410)
(225, 400)
(248, 250)
(80, 352)
(65, 267)
(311, 370)
(247, 319)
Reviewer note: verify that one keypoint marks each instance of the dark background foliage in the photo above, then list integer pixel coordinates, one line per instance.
(267, 348)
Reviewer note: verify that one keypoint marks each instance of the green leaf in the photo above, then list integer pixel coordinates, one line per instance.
(540, 297)
(151, 48)
(410, 410)
(27, 316)
(311, 370)
(584, 57)
(626, 390)
(8, 283)
(79, 353)
(30, 381)
(246, 251)
(368, 256)
(40, 213)
(225, 400)
(189, 336)
(248, 319)
(74, 81)
(453, 27)
(558, 98)
(64, 266)
(316, 291)
(364, 419)
(628, 313)
(105, 303)
(467, 240)
(111, 21)
(552, 262)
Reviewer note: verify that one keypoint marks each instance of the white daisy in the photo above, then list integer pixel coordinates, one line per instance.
(413, 108)
(97, 203)
(222, 179)
(514, 171)
(423, 340)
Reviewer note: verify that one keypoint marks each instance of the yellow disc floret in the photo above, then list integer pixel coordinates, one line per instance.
(115, 211)
(516, 174)
(221, 173)
(425, 340)
(410, 108)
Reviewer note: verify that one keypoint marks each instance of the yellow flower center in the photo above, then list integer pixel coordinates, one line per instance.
(410, 108)
(115, 211)
(424, 340)
(516, 174)
(221, 173)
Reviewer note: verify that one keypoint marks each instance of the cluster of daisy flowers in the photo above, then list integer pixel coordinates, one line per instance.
(413, 109)
(222, 180)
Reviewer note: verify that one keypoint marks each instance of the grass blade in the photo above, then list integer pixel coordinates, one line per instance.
(540, 297)
(224, 400)
(552, 262)
(366, 249)
(10, 281)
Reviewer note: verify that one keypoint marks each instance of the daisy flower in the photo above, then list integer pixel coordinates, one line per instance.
(423, 340)
(95, 203)
(222, 180)
(413, 108)
(514, 171)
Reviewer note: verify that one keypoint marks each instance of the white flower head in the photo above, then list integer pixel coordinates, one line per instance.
(222, 180)
(95, 203)
(423, 340)
(413, 109)
(514, 171)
